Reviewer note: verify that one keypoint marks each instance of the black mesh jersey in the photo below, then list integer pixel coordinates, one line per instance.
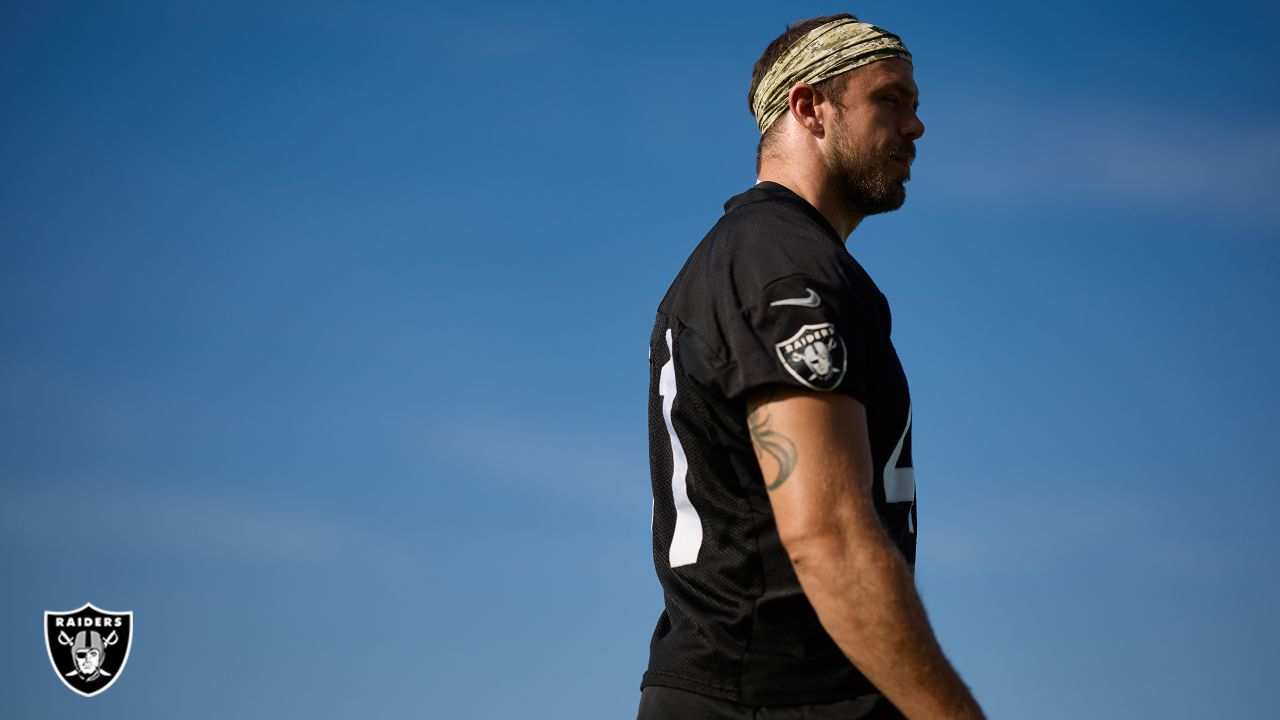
(769, 297)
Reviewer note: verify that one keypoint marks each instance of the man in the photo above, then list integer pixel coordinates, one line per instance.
(780, 419)
(88, 651)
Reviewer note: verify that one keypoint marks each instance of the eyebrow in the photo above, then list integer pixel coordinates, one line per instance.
(901, 87)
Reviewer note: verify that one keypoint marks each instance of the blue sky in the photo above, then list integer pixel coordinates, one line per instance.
(325, 332)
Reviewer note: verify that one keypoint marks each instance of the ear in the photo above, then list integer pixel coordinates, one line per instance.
(805, 105)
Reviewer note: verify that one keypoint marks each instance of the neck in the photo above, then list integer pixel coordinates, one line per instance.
(820, 194)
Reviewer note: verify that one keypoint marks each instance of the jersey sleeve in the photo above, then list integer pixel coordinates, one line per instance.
(810, 328)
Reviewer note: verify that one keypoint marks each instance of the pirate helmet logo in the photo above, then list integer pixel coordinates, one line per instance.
(88, 647)
(815, 356)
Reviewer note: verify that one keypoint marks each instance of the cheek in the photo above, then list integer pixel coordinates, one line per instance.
(869, 130)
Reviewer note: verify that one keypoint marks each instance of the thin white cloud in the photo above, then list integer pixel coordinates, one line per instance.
(997, 151)
(1064, 522)
(579, 463)
(194, 523)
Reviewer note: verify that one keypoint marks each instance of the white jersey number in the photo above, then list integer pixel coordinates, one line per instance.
(687, 539)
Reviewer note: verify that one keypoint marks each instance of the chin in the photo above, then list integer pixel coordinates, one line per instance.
(883, 203)
(872, 194)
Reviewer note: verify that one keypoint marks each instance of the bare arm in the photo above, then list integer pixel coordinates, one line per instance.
(816, 459)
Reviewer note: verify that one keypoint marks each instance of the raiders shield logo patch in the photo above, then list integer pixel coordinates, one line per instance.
(88, 647)
(815, 356)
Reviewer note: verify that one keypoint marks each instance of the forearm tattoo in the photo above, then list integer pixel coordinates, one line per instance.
(772, 443)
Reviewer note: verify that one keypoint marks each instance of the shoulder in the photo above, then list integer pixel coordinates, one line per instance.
(772, 236)
(769, 243)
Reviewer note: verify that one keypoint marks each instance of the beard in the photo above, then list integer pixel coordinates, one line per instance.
(865, 181)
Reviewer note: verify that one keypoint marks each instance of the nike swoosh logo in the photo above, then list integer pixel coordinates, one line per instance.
(811, 300)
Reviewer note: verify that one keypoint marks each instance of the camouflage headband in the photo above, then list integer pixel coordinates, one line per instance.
(824, 52)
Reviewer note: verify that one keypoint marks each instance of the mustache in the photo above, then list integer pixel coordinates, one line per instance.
(906, 150)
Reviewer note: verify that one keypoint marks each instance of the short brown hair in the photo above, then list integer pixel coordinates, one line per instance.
(830, 87)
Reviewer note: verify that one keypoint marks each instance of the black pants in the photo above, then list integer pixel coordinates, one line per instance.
(664, 703)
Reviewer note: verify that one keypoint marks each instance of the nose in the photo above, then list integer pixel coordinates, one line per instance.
(914, 128)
